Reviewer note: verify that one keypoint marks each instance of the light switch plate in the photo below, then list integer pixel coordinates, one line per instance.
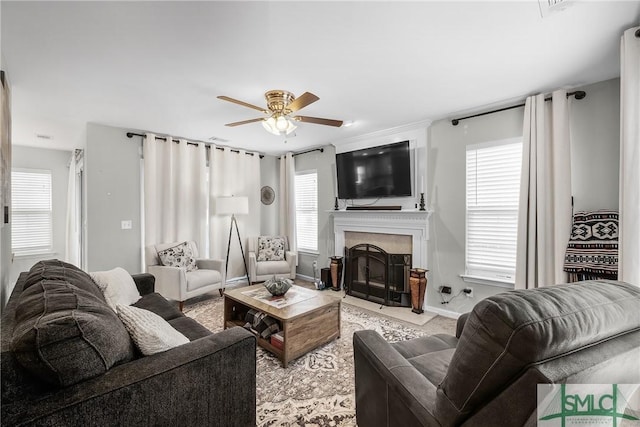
(126, 225)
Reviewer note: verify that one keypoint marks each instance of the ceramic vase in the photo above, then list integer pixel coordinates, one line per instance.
(418, 286)
(336, 272)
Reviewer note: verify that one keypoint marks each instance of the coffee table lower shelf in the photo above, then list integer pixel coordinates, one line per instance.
(266, 344)
(304, 326)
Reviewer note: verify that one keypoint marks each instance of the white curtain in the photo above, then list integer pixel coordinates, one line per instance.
(72, 237)
(288, 200)
(629, 231)
(544, 214)
(233, 173)
(174, 189)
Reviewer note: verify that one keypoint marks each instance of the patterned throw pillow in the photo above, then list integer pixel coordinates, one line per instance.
(270, 248)
(178, 256)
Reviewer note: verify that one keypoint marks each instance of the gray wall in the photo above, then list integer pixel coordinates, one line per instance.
(595, 148)
(270, 175)
(112, 170)
(57, 162)
(324, 163)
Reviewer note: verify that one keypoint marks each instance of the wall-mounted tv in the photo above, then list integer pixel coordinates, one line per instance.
(383, 171)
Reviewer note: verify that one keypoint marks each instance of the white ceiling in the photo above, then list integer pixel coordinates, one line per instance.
(158, 66)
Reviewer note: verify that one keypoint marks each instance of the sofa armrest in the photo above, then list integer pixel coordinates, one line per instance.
(212, 264)
(460, 324)
(170, 281)
(219, 369)
(145, 283)
(389, 390)
(292, 259)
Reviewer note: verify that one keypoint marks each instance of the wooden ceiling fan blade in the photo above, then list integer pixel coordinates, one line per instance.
(244, 104)
(244, 122)
(319, 121)
(302, 101)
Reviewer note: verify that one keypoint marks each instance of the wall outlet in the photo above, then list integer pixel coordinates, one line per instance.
(445, 289)
(468, 292)
(126, 225)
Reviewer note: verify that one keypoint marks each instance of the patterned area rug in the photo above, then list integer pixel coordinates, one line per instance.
(316, 389)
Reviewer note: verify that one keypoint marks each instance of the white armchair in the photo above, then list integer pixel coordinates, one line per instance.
(263, 270)
(177, 283)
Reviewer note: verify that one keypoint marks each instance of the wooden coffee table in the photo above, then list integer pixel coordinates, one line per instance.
(305, 325)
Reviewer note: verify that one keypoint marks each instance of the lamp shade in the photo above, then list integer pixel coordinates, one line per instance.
(232, 205)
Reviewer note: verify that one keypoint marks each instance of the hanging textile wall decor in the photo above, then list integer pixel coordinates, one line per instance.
(592, 251)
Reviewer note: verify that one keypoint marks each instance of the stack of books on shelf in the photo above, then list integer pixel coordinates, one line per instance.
(277, 340)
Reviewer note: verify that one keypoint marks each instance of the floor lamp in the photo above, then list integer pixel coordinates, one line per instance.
(233, 206)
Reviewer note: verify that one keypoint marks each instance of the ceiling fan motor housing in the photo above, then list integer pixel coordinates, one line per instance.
(278, 100)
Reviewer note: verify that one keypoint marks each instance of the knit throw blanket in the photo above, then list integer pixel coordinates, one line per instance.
(592, 251)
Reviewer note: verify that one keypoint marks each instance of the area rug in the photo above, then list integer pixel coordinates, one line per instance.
(316, 389)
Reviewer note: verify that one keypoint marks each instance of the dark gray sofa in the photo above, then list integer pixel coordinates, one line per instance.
(487, 375)
(209, 381)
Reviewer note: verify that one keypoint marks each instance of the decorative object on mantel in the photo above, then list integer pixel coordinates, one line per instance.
(422, 202)
(418, 284)
(267, 195)
(336, 272)
(336, 207)
(278, 286)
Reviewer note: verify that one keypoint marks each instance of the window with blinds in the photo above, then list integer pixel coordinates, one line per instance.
(307, 210)
(493, 188)
(31, 212)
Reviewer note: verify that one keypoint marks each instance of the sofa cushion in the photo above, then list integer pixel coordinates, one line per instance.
(54, 269)
(199, 278)
(272, 267)
(180, 256)
(151, 333)
(117, 285)
(271, 248)
(189, 327)
(159, 305)
(511, 331)
(425, 345)
(64, 334)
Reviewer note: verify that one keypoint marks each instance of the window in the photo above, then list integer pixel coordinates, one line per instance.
(307, 210)
(493, 189)
(32, 216)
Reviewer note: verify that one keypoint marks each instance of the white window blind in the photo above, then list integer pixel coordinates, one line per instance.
(307, 210)
(493, 188)
(31, 213)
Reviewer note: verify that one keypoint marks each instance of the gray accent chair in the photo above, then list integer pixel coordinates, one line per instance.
(177, 283)
(487, 375)
(260, 271)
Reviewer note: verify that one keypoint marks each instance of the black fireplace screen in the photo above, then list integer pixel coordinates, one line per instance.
(373, 274)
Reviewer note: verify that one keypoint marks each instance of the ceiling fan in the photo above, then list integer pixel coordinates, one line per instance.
(280, 105)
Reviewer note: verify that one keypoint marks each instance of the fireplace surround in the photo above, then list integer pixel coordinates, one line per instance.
(411, 223)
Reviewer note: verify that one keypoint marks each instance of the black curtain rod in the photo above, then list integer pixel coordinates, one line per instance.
(309, 151)
(579, 94)
(162, 138)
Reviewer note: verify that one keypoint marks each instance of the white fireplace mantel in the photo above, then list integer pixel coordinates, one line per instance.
(413, 223)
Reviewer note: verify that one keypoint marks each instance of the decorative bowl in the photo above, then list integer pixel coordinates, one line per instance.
(278, 286)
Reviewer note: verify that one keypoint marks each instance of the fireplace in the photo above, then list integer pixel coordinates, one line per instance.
(373, 274)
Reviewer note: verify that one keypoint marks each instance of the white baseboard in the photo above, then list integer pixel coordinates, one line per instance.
(303, 277)
(442, 312)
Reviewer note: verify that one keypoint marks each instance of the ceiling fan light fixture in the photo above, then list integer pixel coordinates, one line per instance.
(280, 125)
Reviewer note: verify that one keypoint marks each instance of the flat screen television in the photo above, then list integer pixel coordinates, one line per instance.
(383, 171)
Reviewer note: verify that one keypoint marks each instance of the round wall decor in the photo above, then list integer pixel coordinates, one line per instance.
(267, 195)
